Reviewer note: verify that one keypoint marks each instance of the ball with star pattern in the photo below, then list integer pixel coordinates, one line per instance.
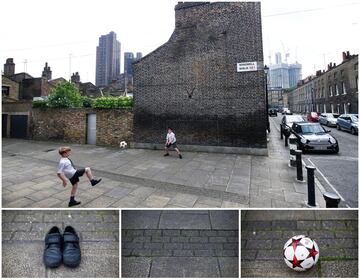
(301, 253)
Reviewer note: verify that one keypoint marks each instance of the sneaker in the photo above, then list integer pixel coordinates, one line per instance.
(180, 156)
(73, 203)
(165, 155)
(71, 248)
(95, 181)
(52, 256)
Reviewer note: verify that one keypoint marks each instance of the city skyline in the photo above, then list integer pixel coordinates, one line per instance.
(304, 29)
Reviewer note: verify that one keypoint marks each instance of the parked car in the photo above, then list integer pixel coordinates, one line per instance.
(272, 112)
(348, 122)
(329, 119)
(313, 117)
(313, 137)
(286, 111)
(287, 121)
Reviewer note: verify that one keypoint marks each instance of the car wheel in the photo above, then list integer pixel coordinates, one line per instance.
(353, 131)
(336, 150)
(338, 127)
(327, 123)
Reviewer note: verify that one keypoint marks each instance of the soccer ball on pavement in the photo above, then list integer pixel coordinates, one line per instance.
(301, 253)
(123, 144)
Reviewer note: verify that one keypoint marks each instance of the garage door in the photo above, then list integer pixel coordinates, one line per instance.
(4, 124)
(18, 126)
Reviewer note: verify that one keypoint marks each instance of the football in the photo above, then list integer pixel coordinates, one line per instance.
(301, 253)
(123, 144)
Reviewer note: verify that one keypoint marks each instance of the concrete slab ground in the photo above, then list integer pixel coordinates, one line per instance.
(264, 233)
(180, 243)
(144, 178)
(23, 234)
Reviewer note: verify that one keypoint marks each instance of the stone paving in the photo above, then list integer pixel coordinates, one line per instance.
(23, 234)
(264, 233)
(144, 178)
(183, 243)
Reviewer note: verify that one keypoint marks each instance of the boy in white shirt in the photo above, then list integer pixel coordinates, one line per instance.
(171, 141)
(66, 170)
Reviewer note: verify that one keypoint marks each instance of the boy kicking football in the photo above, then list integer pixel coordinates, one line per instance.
(66, 170)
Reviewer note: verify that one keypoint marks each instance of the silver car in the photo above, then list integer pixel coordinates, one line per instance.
(328, 119)
(313, 137)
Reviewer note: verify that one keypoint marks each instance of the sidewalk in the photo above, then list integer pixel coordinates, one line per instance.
(180, 244)
(23, 234)
(264, 233)
(144, 178)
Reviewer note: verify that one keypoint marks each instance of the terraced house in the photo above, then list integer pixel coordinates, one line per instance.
(332, 91)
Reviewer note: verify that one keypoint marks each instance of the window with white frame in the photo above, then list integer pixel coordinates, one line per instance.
(345, 109)
(332, 108)
(330, 91)
(343, 88)
(336, 90)
(324, 108)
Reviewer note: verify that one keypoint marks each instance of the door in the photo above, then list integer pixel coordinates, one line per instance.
(91, 129)
(4, 125)
(18, 126)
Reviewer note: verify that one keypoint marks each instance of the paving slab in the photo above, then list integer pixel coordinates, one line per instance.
(22, 261)
(184, 220)
(140, 219)
(345, 269)
(229, 267)
(135, 267)
(224, 219)
(273, 269)
(180, 267)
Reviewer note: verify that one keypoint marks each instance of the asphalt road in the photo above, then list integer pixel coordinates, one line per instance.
(336, 172)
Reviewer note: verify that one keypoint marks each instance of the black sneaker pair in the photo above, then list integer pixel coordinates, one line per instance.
(62, 248)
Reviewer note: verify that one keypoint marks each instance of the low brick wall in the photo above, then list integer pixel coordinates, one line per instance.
(70, 125)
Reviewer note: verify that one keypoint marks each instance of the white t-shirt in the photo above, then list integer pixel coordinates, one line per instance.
(170, 137)
(66, 167)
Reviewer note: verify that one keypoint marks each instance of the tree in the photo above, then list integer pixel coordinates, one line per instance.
(65, 95)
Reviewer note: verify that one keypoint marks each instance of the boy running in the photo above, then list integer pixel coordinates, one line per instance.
(66, 170)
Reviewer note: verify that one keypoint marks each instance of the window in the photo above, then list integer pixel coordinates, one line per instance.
(5, 91)
(322, 92)
(345, 109)
(330, 91)
(343, 88)
(324, 108)
(332, 108)
(336, 90)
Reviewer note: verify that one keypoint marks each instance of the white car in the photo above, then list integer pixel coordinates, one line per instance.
(328, 119)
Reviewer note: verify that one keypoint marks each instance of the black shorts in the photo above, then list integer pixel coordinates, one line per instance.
(173, 145)
(75, 179)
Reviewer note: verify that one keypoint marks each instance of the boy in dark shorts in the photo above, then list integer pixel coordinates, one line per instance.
(66, 170)
(171, 141)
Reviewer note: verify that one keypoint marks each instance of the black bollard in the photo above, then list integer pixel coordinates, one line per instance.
(311, 186)
(286, 139)
(281, 133)
(332, 200)
(299, 172)
(293, 147)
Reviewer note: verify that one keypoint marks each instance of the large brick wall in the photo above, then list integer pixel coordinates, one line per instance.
(69, 125)
(191, 83)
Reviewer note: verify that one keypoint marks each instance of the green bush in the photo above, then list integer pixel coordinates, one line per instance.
(65, 95)
(87, 102)
(108, 102)
(40, 104)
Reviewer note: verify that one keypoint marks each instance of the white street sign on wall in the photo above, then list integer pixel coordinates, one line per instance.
(246, 66)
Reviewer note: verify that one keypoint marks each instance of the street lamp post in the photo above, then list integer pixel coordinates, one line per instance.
(266, 70)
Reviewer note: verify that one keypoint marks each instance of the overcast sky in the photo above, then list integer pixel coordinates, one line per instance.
(313, 32)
